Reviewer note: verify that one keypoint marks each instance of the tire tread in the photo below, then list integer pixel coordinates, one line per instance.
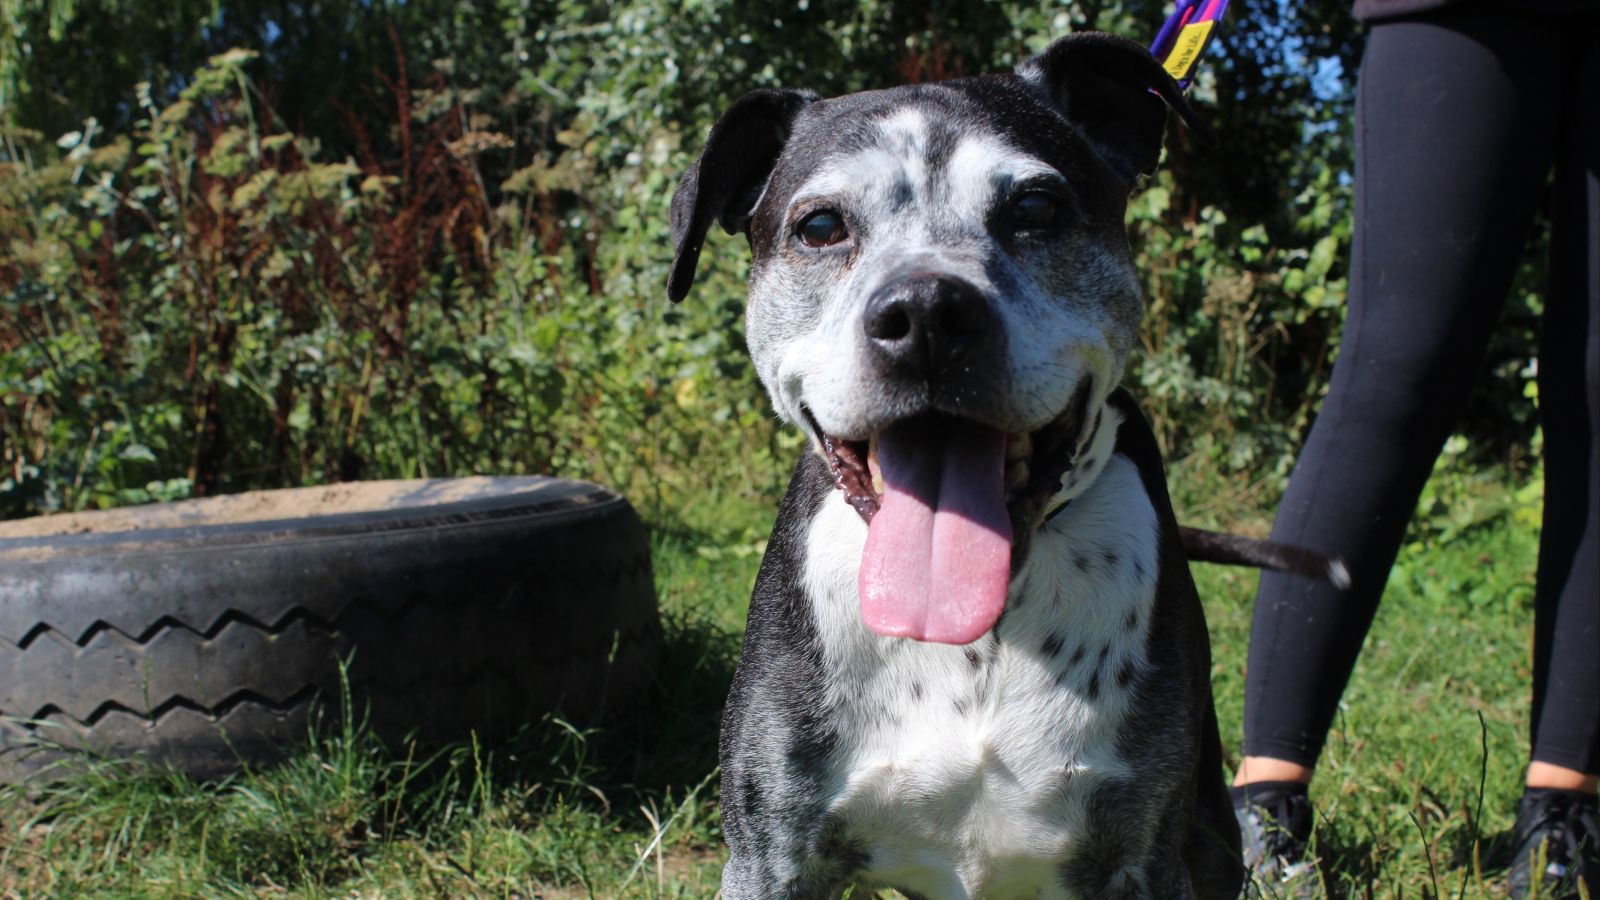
(210, 686)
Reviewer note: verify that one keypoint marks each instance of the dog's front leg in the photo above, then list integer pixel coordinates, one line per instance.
(746, 879)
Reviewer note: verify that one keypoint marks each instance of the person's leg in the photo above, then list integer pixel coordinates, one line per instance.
(1454, 142)
(1558, 817)
(1565, 727)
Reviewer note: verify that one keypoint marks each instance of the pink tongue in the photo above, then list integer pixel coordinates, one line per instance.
(938, 557)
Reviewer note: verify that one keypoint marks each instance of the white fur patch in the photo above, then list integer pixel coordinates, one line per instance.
(969, 779)
(981, 166)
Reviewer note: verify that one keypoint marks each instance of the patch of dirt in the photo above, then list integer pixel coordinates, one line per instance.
(266, 506)
(21, 874)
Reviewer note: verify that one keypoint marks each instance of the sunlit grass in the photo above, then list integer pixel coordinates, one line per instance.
(626, 806)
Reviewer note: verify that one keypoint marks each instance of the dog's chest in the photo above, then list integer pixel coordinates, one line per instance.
(965, 771)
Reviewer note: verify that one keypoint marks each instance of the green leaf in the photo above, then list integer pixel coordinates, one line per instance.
(1322, 257)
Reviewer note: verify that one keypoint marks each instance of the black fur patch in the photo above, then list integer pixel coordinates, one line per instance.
(1051, 646)
(835, 845)
(903, 194)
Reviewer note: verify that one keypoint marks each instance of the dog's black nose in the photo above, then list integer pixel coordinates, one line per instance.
(922, 324)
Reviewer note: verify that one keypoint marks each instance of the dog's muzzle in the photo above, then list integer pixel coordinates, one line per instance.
(950, 493)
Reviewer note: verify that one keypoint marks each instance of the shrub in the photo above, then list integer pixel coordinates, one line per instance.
(208, 300)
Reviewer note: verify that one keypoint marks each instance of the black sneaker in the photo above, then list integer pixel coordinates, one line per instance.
(1275, 820)
(1557, 832)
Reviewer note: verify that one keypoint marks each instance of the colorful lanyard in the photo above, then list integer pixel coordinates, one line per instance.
(1184, 36)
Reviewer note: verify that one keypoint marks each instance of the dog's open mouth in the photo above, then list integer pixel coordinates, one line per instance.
(943, 498)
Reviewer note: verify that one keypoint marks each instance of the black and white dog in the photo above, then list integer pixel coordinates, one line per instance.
(976, 665)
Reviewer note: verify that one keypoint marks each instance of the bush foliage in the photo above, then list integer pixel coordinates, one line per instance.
(437, 245)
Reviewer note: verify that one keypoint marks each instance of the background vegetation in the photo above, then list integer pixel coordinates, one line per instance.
(269, 243)
(419, 238)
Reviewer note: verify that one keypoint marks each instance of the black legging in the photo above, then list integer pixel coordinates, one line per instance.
(1459, 119)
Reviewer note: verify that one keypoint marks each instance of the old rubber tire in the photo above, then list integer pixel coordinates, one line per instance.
(207, 633)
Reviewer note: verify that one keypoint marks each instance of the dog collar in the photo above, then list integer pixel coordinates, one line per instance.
(1183, 37)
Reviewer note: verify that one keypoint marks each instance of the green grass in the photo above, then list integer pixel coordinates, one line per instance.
(1397, 790)
(627, 808)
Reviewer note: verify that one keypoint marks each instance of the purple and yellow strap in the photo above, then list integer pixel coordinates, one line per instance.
(1184, 37)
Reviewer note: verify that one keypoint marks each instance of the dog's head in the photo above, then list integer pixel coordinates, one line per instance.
(941, 295)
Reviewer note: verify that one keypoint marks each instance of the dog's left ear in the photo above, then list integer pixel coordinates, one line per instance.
(725, 182)
(1102, 83)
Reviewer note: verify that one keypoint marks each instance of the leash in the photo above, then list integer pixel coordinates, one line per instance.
(1184, 36)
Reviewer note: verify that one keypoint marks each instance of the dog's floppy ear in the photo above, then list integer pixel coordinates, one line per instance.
(1102, 83)
(725, 182)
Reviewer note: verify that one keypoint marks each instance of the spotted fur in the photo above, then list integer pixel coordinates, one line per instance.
(1072, 750)
(920, 181)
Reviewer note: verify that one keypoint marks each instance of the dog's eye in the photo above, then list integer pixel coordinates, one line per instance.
(1033, 209)
(822, 229)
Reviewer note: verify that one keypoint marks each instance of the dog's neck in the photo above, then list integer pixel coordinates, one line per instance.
(1093, 453)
